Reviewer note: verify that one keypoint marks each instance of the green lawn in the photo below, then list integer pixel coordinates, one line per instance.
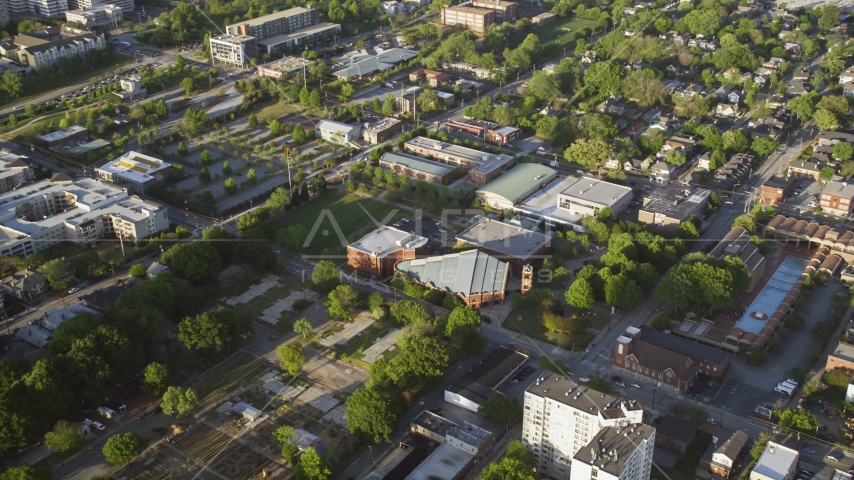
(531, 327)
(598, 319)
(333, 214)
(276, 110)
(554, 31)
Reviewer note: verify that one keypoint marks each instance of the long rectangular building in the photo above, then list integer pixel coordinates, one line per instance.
(135, 171)
(482, 166)
(82, 210)
(478, 20)
(416, 168)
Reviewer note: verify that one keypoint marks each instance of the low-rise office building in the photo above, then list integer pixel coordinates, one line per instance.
(104, 15)
(382, 130)
(433, 77)
(312, 35)
(648, 363)
(236, 50)
(63, 136)
(416, 168)
(483, 167)
(52, 211)
(338, 133)
(478, 279)
(775, 190)
(837, 198)
(478, 20)
(364, 63)
(508, 243)
(135, 171)
(841, 358)
(516, 185)
(586, 196)
(737, 244)
(377, 252)
(283, 66)
(132, 90)
(666, 209)
(805, 169)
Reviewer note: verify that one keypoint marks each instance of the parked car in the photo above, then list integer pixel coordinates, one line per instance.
(620, 384)
(584, 379)
(100, 426)
(713, 421)
(833, 455)
(74, 290)
(635, 385)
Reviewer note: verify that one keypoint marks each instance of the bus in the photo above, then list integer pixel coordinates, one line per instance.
(124, 44)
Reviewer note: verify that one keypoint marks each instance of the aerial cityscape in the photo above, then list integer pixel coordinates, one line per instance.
(426, 240)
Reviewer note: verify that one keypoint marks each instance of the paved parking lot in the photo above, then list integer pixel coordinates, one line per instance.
(426, 227)
(805, 194)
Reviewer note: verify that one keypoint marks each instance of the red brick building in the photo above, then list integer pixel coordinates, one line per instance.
(643, 362)
(376, 253)
(775, 190)
(675, 434)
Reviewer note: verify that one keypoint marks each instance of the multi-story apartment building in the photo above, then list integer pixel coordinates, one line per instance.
(504, 11)
(135, 171)
(478, 20)
(563, 419)
(14, 171)
(43, 49)
(96, 16)
(52, 211)
(837, 198)
(48, 8)
(294, 26)
(5, 7)
(623, 454)
(235, 50)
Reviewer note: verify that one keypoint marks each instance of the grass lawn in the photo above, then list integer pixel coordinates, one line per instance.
(332, 213)
(554, 31)
(531, 327)
(360, 343)
(276, 110)
(598, 319)
(74, 77)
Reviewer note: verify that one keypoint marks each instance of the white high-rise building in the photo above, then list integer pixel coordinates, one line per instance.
(616, 453)
(562, 417)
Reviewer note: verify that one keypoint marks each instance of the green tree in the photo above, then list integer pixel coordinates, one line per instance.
(462, 321)
(421, 358)
(373, 412)
(346, 92)
(12, 84)
(589, 153)
(501, 409)
(291, 358)
(179, 401)
(826, 173)
(303, 326)
(299, 135)
(312, 466)
(759, 444)
(735, 141)
(842, 151)
(121, 448)
(182, 149)
(675, 157)
(293, 237)
(599, 384)
(253, 121)
(826, 120)
(188, 85)
(325, 276)
(580, 294)
(214, 328)
(27, 472)
(57, 274)
(155, 378)
(138, 271)
(745, 222)
(407, 312)
(315, 100)
(622, 292)
(388, 105)
(64, 438)
(304, 96)
(516, 465)
(800, 420)
(226, 168)
(763, 146)
(687, 231)
(198, 262)
(341, 301)
(276, 128)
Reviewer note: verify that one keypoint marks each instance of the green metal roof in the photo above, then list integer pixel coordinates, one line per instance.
(88, 147)
(418, 164)
(518, 181)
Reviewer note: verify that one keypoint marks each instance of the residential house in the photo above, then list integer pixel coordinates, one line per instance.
(690, 90)
(847, 76)
(848, 89)
(773, 63)
(652, 115)
(734, 97)
(833, 137)
(733, 172)
(613, 106)
(25, 285)
(662, 171)
(723, 92)
(724, 458)
(633, 131)
(674, 434)
(629, 32)
(796, 88)
(802, 76)
(636, 166)
(704, 162)
(842, 357)
(726, 110)
(433, 77)
(686, 142)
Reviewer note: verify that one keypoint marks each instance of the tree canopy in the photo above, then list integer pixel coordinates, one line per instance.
(374, 411)
(214, 328)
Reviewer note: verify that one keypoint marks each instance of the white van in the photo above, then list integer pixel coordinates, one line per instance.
(790, 384)
(784, 390)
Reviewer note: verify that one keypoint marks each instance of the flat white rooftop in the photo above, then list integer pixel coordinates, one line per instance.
(335, 126)
(385, 239)
(443, 464)
(135, 166)
(595, 191)
(544, 203)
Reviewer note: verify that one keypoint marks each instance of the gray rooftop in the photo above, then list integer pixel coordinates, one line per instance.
(418, 164)
(682, 345)
(469, 434)
(445, 463)
(465, 273)
(385, 239)
(434, 423)
(358, 65)
(617, 445)
(844, 190)
(517, 182)
(504, 239)
(844, 351)
(287, 37)
(273, 16)
(675, 201)
(581, 397)
(596, 191)
(62, 134)
(458, 151)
